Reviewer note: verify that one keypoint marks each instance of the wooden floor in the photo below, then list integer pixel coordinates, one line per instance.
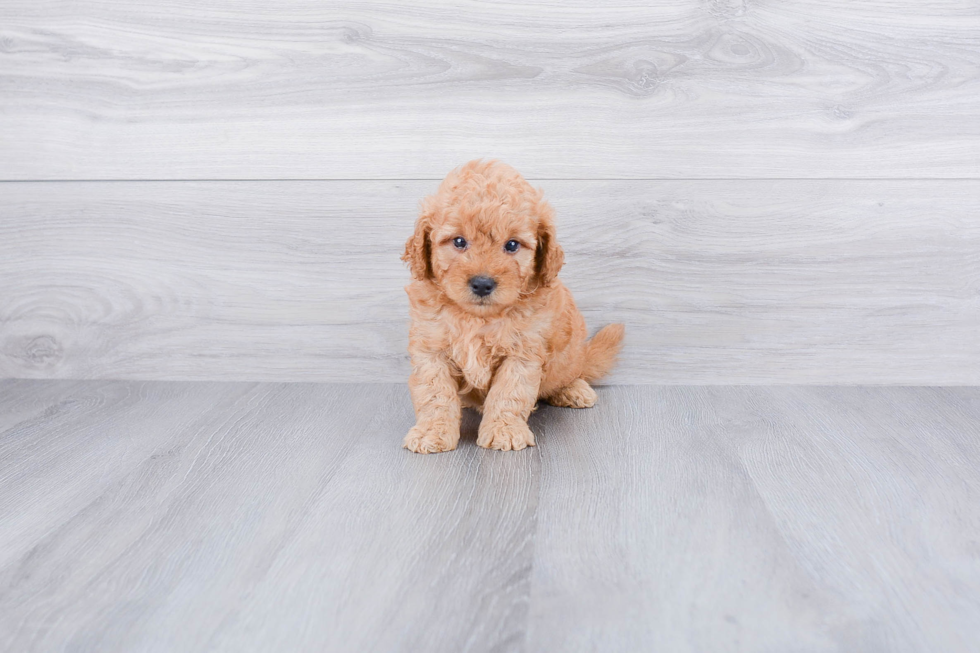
(178, 516)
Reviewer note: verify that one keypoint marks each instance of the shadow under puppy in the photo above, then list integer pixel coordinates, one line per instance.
(492, 326)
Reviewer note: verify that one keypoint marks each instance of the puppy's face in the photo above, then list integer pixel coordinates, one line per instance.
(486, 238)
(484, 262)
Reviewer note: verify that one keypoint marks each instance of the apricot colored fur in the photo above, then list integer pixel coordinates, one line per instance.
(502, 353)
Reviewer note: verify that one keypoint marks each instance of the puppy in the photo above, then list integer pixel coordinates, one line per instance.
(492, 326)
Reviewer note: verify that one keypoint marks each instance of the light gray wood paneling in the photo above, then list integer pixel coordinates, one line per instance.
(195, 517)
(188, 517)
(723, 88)
(717, 281)
(20, 400)
(759, 519)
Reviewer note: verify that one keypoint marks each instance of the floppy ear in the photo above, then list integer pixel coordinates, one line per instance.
(418, 249)
(549, 256)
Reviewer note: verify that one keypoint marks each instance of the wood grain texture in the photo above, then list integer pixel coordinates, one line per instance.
(695, 89)
(20, 400)
(717, 281)
(749, 519)
(156, 516)
(153, 516)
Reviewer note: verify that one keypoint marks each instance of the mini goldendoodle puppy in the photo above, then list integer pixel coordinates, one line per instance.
(492, 326)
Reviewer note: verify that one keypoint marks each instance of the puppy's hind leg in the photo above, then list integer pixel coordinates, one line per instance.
(577, 394)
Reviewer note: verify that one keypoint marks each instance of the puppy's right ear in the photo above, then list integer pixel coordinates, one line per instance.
(549, 256)
(418, 248)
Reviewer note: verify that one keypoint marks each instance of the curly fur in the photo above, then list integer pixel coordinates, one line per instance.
(502, 353)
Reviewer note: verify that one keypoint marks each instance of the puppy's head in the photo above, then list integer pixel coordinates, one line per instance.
(486, 238)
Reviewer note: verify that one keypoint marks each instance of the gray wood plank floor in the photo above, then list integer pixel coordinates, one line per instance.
(717, 281)
(229, 89)
(165, 516)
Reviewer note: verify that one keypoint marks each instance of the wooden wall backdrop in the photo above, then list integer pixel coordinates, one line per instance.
(764, 192)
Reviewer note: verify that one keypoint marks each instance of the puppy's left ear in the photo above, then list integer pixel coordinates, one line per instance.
(418, 248)
(549, 256)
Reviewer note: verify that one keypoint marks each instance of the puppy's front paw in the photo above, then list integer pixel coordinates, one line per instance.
(430, 440)
(505, 437)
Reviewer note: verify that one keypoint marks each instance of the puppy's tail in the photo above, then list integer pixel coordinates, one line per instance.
(601, 351)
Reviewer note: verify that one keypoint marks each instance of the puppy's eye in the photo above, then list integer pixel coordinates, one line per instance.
(459, 242)
(512, 246)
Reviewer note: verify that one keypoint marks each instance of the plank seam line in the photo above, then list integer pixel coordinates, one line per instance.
(438, 179)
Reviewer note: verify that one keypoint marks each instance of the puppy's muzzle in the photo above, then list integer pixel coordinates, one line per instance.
(482, 286)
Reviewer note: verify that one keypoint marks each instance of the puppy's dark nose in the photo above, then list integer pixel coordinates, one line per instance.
(482, 286)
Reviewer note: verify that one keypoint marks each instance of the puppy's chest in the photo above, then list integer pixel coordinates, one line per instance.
(478, 355)
(477, 359)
